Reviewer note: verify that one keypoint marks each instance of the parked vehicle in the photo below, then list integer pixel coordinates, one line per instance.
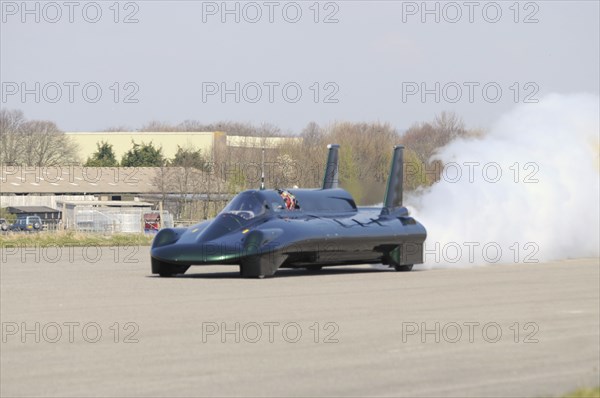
(27, 223)
(4, 224)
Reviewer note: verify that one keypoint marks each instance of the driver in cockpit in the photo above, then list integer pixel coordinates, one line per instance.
(291, 203)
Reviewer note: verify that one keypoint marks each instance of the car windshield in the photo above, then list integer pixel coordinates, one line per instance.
(246, 205)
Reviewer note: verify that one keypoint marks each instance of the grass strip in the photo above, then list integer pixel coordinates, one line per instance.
(66, 239)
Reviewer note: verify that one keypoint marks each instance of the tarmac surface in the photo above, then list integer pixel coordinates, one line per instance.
(94, 322)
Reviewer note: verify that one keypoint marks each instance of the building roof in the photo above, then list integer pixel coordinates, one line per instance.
(77, 179)
(104, 203)
(103, 180)
(31, 209)
(239, 141)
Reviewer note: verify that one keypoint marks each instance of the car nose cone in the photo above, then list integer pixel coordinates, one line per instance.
(197, 253)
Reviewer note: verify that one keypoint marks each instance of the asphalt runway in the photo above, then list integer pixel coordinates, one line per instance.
(94, 322)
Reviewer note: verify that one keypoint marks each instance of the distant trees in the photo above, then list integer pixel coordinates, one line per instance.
(147, 155)
(366, 153)
(190, 157)
(143, 155)
(103, 157)
(10, 137)
(424, 139)
(416, 172)
(117, 128)
(187, 175)
(235, 164)
(364, 157)
(158, 126)
(46, 145)
(232, 128)
(33, 143)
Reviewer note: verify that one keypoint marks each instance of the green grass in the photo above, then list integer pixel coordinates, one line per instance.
(65, 239)
(584, 393)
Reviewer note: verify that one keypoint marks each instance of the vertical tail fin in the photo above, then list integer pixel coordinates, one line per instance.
(393, 193)
(331, 178)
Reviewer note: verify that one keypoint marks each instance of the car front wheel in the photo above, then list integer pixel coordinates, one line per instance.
(167, 270)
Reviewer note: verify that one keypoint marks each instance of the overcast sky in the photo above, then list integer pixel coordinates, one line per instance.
(291, 62)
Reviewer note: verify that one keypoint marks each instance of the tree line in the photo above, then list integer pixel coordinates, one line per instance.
(364, 158)
(145, 154)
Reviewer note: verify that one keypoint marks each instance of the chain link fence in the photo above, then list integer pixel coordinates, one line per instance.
(116, 220)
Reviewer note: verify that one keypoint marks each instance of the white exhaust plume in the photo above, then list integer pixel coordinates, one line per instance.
(543, 206)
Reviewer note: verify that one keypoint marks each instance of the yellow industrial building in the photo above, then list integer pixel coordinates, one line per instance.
(121, 141)
(169, 141)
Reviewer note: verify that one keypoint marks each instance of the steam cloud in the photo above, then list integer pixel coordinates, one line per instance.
(546, 200)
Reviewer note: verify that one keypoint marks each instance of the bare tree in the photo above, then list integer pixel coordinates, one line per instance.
(33, 143)
(194, 125)
(364, 159)
(426, 138)
(45, 144)
(10, 138)
(190, 193)
(10, 124)
(117, 129)
(312, 134)
(158, 127)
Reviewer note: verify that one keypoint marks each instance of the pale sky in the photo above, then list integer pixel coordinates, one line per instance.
(369, 63)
